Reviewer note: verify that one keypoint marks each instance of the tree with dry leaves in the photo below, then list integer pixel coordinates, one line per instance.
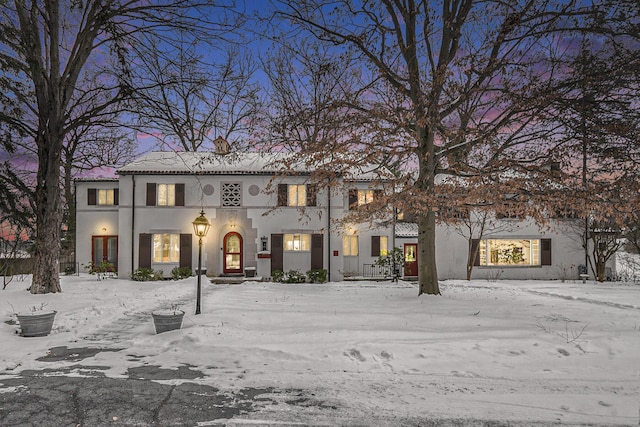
(454, 87)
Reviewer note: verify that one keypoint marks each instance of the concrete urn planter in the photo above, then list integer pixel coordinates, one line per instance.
(36, 323)
(167, 320)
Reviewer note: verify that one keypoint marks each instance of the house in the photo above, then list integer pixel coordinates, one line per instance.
(263, 221)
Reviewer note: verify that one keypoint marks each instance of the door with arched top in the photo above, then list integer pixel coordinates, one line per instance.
(232, 258)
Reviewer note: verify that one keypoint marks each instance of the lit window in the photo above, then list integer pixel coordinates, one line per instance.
(297, 195)
(384, 251)
(508, 252)
(365, 197)
(166, 247)
(350, 245)
(106, 197)
(166, 194)
(297, 242)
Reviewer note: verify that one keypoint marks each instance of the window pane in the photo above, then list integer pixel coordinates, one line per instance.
(384, 249)
(305, 242)
(157, 248)
(354, 245)
(161, 190)
(233, 244)
(174, 250)
(288, 242)
(171, 195)
(293, 195)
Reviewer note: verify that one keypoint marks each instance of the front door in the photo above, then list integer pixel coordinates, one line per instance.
(105, 249)
(410, 259)
(232, 253)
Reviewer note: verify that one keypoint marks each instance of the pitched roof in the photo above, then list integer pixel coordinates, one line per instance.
(238, 163)
(406, 229)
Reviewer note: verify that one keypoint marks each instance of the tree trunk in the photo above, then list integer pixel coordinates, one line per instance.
(471, 256)
(46, 274)
(427, 271)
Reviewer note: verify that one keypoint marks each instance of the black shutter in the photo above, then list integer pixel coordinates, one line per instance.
(179, 194)
(377, 195)
(91, 196)
(353, 199)
(317, 260)
(282, 194)
(185, 250)
(375, 246)
(151, 194)
(277, 252)
(545, 256)
(144, 251)
(311, 194)
(475, 250)
(116, 196)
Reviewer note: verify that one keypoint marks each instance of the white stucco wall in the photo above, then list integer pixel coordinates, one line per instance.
(257, 217)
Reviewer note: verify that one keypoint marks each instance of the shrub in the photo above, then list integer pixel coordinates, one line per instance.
(317, 276)
(146, 274)
(294, 276)
(278, 276)
(178, 273)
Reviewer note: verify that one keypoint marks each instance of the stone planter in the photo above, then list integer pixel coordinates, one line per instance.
(36, 323)
(167, 320)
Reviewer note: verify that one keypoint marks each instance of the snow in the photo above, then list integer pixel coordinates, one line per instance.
(510, 351)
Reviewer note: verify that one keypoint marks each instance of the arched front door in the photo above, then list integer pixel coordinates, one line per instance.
(232, 253)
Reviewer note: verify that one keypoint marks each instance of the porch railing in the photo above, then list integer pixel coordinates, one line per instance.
(374, 270)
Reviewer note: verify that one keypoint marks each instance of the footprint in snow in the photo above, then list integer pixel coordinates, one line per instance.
(355, 355)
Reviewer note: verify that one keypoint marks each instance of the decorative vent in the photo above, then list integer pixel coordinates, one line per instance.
(231, 194)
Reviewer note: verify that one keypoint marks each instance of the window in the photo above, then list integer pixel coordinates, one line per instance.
(166, 247)
(231, 194)
(358, 198)
(296, 195)
(165, 194)
(297, 242)
(102, 196)
(379, 246)
(350, 245)
(510, 252)
(106, 197)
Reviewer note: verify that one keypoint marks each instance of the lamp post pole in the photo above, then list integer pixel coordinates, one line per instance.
(199, 273)
(201, 227)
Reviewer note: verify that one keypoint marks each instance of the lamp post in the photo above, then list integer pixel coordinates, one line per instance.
(201, 227)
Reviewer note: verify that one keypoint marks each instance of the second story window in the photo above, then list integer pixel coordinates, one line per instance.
(296, 195)
(165, 194)
(359, 198)
(102, 196)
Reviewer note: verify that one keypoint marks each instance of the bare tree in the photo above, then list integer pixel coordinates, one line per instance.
(46, 46)
(189, 100)
(453, 87)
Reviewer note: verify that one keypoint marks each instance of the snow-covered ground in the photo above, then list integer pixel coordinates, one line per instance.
(506, 351)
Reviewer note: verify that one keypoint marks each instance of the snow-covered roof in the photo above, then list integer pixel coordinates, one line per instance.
(406, 229)
(238, 163)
